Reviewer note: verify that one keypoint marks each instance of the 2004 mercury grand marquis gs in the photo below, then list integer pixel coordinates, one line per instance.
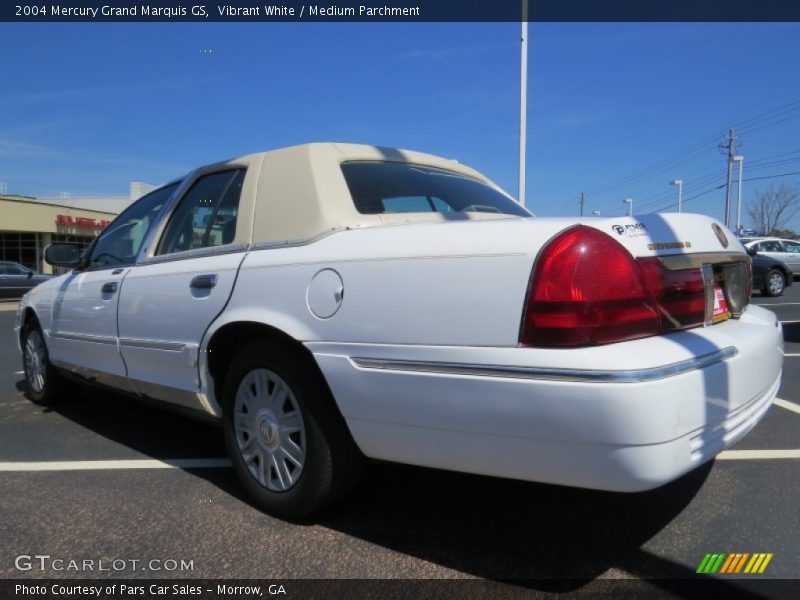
(330, 302)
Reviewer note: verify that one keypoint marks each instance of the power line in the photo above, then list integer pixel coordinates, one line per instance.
(757, 122)
(656, 168)
(722, 185)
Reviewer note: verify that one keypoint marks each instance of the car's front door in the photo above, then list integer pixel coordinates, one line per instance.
(171, 297)
(83, 332)
(771, 248)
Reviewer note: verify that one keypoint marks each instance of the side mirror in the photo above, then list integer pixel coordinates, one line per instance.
(752, 250)
(63, 255)
(30, 274)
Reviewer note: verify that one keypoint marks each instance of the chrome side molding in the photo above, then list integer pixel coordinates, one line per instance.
(152, 344)
(547, 373)
(80, 337)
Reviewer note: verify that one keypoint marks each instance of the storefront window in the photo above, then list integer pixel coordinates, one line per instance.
(20, 248)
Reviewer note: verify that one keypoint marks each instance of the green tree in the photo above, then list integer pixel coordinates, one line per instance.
(787, 234)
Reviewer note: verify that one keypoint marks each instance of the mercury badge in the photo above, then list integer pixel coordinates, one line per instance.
(723, 239)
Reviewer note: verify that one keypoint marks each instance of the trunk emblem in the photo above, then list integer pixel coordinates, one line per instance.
(723, 239)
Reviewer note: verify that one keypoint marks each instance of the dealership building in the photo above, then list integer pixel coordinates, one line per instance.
(28, 225)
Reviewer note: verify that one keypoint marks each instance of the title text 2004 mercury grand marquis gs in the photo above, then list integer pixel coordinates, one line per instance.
(330, 302)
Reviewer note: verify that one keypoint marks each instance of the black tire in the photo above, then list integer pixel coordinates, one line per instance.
(775, 283)
(331, 464)
(51, 388)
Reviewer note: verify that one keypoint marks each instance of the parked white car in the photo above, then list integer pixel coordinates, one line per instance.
(330, 302)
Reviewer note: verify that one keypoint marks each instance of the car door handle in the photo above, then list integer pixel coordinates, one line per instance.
(204, 281)
(110, 287)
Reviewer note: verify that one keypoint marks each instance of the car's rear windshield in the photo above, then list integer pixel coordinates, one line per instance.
(387, 187)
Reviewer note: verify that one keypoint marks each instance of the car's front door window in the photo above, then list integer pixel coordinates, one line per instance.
(120, 243)
(770, 247)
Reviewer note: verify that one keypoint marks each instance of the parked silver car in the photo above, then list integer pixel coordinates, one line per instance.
(787, 251)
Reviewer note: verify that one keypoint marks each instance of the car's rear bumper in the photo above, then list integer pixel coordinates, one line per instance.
(624, 417)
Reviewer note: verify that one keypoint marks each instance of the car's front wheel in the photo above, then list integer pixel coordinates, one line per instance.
(43, 383)
(776, 282)
(289, 445)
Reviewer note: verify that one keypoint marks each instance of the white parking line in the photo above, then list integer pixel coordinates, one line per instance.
(787, 405)
(757, 454)
(92, 465)
(786, 322)
(791, 355)
(776, 303)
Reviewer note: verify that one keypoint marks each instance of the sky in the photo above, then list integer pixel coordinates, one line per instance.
(614, 110)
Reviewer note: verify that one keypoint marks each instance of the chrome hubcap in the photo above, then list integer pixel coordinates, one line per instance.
(269, 430)
(775, 283)
(35, 365)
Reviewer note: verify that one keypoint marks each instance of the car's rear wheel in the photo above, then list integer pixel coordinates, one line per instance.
(44, 385)
(289, 445)
(776, 283)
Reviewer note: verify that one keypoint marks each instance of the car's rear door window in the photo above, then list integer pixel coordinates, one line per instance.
(206, 215)
(792, 247)
(388, 187)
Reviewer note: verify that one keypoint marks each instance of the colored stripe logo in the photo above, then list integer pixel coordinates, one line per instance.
(738, 562)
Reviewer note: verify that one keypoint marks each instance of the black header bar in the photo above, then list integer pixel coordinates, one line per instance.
(402, 11)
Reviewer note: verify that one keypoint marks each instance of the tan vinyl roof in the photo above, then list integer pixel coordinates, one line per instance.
(302, 192)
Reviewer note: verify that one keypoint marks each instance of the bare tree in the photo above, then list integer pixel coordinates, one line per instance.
(774, 208)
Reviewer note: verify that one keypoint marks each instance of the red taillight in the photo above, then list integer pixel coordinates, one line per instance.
(587, 289)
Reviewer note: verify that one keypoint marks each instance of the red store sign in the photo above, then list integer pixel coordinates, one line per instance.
(80, 222)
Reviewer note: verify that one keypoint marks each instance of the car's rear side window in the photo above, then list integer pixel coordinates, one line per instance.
(388, 187)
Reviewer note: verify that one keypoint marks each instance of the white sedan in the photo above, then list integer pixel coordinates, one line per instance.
(331, 302)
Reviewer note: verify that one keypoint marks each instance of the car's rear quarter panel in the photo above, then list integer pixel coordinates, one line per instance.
(452, 284)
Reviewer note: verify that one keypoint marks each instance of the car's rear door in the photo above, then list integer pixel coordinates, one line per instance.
(172, 295)
(792, 255)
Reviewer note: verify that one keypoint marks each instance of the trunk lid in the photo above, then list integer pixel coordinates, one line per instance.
(668, 234)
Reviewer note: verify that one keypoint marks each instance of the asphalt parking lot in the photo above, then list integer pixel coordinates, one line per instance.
(403, 522)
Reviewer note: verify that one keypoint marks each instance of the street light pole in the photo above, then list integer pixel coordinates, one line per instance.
(629, 202)
(740, 159)
(679, 183)
(523, 100)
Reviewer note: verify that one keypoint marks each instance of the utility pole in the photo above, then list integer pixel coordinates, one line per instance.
(730, 147)
(581, 201)
(523, 100)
